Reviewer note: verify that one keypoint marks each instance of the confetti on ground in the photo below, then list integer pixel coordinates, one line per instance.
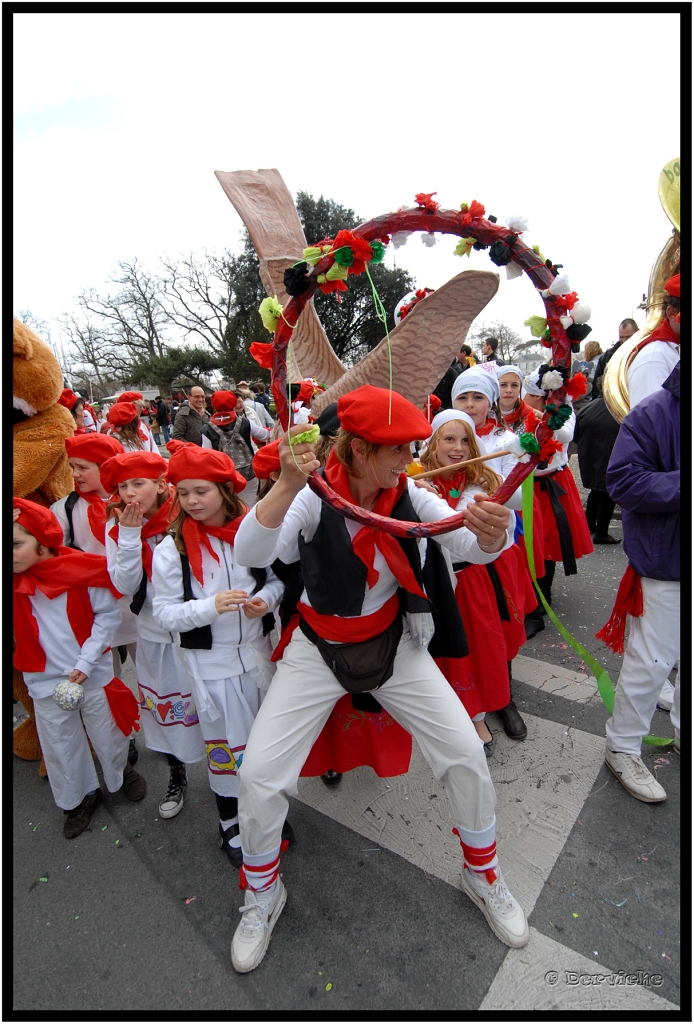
(330, 984)
(117, 842)
(595, 952)
(77, 917)
(320, 972)
(35, 827)
(190, 900)
(613, 902)
(43, 879)
(104, 827)
(159, 848)
(574, 914)
(668, 957)
(638, 895)
(137, 835)
(662, 760)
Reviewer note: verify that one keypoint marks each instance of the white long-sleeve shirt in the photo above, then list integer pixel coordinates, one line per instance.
(258, 545)
(650, 369)
(232, 632)
(124, 561)
(63, 653)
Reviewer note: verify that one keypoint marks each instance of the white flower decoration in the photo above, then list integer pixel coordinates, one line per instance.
(552, 381)
(400, 238)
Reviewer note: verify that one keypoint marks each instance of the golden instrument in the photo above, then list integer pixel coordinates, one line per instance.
(614, 384)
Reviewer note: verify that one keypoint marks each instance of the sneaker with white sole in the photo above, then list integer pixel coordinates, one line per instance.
(258, 917)
(173, 801)
(666, 696)
(635, 777)
(505, 916)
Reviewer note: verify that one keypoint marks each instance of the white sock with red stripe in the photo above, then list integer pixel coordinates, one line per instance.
(260, 871)
(479, 850)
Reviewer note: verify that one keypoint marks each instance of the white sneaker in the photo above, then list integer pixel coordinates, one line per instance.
(258, 917)
(505, 916)
(635, 777)
(666, 696)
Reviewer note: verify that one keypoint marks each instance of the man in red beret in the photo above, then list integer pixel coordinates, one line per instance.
(659, 354)
(371, 617)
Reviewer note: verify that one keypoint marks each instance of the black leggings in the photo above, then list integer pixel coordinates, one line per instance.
(227, 807)
(599, 511)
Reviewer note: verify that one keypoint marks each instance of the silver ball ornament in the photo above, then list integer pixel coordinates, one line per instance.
(69, 696)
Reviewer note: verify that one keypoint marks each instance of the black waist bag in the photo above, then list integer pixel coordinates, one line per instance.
(360, 667)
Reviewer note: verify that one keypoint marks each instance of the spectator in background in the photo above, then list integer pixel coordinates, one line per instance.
(463, 361)
(262, 395)
(74, 404)
(191, 417)
(586, 365)
(626, 329)
(489, 347)
(163, 418)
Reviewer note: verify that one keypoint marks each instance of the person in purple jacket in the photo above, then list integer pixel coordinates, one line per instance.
(644, 478)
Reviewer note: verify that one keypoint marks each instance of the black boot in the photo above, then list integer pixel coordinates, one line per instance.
(534, 624)
(544, 585)
(133, 752)
(331, 778)
(513, 724)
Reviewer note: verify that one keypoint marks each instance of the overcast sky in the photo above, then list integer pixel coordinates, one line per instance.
(121, 120)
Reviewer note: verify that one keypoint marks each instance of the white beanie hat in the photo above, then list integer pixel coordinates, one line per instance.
(447, 416)
(501, 370)
(476, 379)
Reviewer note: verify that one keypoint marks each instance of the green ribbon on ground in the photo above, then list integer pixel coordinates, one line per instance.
(605, 687)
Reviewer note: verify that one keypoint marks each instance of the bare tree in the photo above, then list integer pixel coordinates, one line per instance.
(94, 355)
(511, 346)
(135, 314)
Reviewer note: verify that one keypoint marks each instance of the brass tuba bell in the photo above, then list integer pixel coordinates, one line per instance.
(614, 384)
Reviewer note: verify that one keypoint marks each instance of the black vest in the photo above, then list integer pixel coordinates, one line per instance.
(335, 578)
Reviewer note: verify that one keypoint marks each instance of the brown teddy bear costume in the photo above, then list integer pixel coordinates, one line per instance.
(41, 469)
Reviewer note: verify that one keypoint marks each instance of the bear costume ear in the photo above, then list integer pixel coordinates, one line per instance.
(22, 344)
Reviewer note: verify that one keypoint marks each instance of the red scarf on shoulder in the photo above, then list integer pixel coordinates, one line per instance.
(159, 523)
(195, 537)
(489, 425)
(70, 570)
(663, 332)
(96, 513)
(520, 413)
(451, 487)
(367, 540)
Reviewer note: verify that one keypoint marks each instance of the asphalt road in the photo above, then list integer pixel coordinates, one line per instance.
(137, 914)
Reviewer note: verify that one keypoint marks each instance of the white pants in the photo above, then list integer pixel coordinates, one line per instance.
(118, 664)
(167, 710)
(298, 703)
(69, 760)
(652, 650)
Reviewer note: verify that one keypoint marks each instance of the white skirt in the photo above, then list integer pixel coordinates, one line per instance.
(236, 701)
(167, 706)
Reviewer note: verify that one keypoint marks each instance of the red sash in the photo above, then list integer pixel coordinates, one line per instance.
(70, 570)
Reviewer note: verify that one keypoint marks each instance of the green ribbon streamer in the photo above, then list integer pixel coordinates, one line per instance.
(605, 687)
(383, 317)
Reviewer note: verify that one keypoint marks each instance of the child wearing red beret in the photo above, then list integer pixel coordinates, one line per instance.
(65, 617)
(355, 635)
(221, 612)
(141, 513)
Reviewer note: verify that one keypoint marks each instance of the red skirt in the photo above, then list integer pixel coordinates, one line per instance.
(351, 739)
(481, 679)
(520, 596)
(571, 502)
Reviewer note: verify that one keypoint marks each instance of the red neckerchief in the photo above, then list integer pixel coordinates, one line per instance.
(159, 523)
(96, 513)
(522, 411)
(195, 536)
(451, 487)
(663, 332)
(72, 571)
(367, 540)
(489, 425)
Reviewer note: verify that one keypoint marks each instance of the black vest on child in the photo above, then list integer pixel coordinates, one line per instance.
(335, 578)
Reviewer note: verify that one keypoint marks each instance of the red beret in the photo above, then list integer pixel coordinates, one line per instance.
(672, 285)
(190, 462)
(367, 410)
(224, 401)
(130, 396)
(69, 399)
(267, 460)
(40, 522)
(131, 466)
(122, 413)
(92, 447)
